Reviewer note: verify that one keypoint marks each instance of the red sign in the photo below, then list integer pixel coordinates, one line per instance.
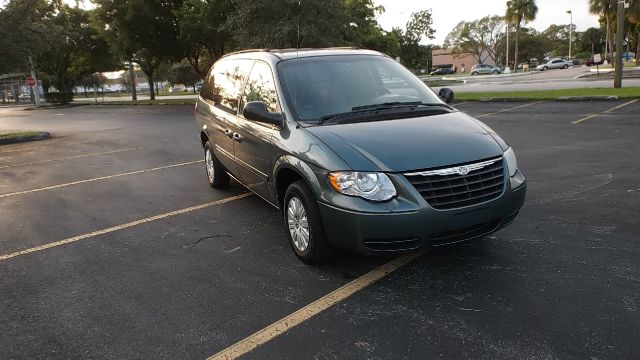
(30, 81)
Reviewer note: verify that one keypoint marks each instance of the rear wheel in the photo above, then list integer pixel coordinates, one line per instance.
(474, 73)
(495, 72)
(565, 66)
(216, 173)
(304, 226)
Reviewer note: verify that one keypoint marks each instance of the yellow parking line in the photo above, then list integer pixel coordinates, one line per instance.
(513, 108)
(287, 323)
(97, 179)
(121, 227)
(69, 158)
(604, 112)
(46, 146)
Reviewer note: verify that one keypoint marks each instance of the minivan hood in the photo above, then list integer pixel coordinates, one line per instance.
(409, 144)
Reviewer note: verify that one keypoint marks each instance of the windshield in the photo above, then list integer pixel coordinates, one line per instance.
(317, 87)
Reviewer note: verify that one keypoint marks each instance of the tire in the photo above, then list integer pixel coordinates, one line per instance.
(495, 72)
(545, 68)
(216, 173)
(565, 66)
(300, 210)
(474, 73)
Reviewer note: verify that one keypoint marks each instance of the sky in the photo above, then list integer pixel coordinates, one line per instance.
(448, 13)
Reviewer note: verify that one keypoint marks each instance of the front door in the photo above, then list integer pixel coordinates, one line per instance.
(253, 145)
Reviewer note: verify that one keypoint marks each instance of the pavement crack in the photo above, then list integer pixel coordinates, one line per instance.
(195, 243)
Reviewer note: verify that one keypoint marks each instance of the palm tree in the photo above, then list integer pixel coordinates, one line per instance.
(605, 8)
(517, 11)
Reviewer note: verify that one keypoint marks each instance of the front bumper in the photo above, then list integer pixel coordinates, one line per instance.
(370, 233)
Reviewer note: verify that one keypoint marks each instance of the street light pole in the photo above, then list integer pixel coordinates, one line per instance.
(617, 80)
(507, 69)
(570, 32)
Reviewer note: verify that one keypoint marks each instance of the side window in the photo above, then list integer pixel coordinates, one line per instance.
(261, 87)
(224, 83)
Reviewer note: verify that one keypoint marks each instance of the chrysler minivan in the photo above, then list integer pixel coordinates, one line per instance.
(355, 151)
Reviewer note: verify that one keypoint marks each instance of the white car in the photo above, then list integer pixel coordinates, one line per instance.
(554, 64)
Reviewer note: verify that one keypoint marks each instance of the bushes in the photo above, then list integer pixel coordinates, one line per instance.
(59, 97)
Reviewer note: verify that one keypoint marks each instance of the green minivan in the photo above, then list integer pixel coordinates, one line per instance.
(355, 151)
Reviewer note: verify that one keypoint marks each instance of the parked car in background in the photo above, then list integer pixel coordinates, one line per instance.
(355, 151)
(554, 64)
(479, 69)
(442, 71)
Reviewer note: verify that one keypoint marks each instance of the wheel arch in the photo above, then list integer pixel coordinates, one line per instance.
(289, 169)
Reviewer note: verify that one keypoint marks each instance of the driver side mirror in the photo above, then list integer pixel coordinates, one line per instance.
(446, 95)
(257, 111)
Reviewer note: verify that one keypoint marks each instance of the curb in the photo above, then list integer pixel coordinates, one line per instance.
(43, 135)
(561, 98)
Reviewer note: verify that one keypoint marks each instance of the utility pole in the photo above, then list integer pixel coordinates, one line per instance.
(570, 32)
(132, 75)
(36, 88)
(507, 69)
(617, 82)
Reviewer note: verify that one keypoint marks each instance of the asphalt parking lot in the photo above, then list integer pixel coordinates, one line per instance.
(112, 245)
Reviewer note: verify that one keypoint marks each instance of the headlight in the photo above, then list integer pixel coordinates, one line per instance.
(510, 158)
(370, 186)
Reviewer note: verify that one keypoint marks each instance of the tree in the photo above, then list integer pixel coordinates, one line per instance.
(202, 33)
(64, 46)
(481, 37)
(606, 9)
(143, 31)
(591, 40)
(74, 49)
(287, 24)
(518, 11)
(184, 74)
(420, 25)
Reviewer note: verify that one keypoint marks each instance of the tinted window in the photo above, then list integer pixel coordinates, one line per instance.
(325, 85)
(261, 87)
(224, 83)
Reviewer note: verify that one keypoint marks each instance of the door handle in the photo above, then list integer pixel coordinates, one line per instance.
(228, 132)
(237, 137)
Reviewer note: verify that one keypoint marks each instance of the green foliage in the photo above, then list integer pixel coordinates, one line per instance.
(202, 34)
(288, 24)
(420, 25)
(144, 31)
(518, 11)
(64, 45)
(481, 37)
(184, 74)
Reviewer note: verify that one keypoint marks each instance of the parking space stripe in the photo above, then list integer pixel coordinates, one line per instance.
(510, 109)
(123, 226)
(604, 112)
(46, 146)
(70, 158)
(287, 323)
(97, 179)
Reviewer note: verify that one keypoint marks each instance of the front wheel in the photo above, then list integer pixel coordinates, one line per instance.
(495, 72)
(474, 73)
(565, 67)
(216, 173)
(304, 226)
(545, 68)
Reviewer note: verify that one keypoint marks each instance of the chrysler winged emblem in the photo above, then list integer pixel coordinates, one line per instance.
(463, 170)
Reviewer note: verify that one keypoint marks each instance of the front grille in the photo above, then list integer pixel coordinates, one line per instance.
(446, 189)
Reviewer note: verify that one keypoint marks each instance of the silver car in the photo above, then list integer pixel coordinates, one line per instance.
(485, 69)
(554, 64)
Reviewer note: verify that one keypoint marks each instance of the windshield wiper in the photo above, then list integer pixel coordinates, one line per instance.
(394, 104)
(360, 111)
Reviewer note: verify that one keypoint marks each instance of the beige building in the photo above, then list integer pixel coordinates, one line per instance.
(461, 62)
